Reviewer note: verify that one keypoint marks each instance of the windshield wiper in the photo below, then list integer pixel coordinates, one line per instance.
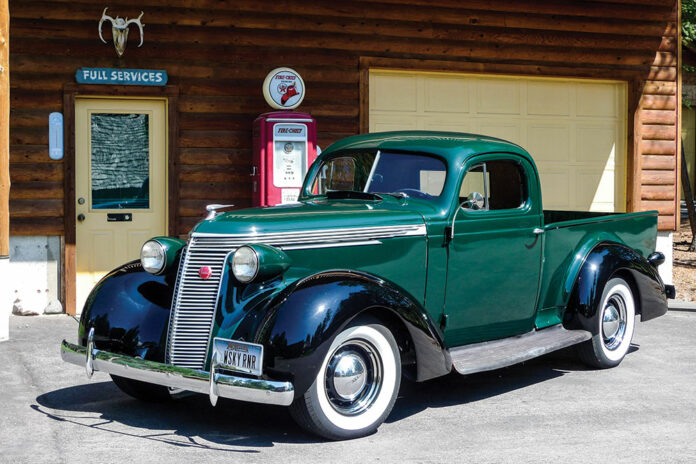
(351, 195)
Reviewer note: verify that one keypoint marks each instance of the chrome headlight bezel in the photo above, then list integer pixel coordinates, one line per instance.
(157, 252)
(242, 253)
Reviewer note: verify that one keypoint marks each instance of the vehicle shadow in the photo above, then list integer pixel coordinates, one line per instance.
(455, 389)
(240, 427)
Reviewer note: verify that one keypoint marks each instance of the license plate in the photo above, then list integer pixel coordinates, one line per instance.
(238, 356)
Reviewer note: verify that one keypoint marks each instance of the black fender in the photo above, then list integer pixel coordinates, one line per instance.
(602, 263)
(129, 311)
(298, 326)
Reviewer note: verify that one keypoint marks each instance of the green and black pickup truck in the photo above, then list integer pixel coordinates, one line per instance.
(408, 254)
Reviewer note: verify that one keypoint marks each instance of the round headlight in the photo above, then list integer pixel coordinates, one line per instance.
(153, 257)
(245, 264)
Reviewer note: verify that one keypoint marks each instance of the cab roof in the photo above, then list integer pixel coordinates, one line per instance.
(452, 146)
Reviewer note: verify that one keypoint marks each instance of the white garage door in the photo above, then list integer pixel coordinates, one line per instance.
(574, 129)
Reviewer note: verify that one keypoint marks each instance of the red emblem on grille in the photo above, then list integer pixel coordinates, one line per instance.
(205, 272)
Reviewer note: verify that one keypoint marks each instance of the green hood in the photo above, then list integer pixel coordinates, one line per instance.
(318, 214)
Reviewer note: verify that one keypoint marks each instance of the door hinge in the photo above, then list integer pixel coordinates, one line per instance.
(443, 322)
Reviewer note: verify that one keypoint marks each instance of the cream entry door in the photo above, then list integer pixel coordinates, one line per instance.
(120, 183)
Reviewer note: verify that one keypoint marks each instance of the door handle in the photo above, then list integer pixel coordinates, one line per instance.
(80, 217)
(538, 231)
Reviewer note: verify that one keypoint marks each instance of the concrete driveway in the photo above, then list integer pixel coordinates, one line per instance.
(548, 410)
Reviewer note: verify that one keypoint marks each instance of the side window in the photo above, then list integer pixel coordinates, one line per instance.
(494, 185)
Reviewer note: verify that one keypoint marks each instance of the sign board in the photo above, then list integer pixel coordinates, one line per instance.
(121, 76)
(283, 89)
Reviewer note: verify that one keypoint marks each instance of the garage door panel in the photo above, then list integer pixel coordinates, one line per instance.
(556, 188)
(396, 93)
(498, 96)
(451, 125)
(383, 123)
(596, 144)
(597, 100)
(548, 141)
(446, 95)
(502, 128)
(548, 99)
(575, 130)
(595, 189)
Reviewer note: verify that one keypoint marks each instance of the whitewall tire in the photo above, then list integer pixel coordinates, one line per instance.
(615, 319)
(356, 386)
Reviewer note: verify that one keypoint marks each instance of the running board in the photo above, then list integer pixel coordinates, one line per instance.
(487, 356)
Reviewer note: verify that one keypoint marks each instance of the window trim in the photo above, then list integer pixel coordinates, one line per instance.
(524, 208)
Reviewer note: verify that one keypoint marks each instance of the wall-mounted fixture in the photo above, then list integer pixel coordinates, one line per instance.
(119, 30)
(55, 136)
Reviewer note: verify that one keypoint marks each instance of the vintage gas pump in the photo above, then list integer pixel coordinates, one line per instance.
(285, 142)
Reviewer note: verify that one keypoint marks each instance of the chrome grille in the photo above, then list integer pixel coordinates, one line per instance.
(193, 307)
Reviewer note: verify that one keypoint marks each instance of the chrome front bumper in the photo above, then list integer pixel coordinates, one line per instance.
(213, 384)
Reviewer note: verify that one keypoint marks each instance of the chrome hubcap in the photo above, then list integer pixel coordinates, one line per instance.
(350, 376)
(610, 322)
(614, 321)
(353, 377)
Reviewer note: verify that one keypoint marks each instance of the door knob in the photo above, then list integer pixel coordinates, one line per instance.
(80, 217)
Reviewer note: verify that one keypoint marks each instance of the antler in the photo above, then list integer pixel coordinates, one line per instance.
(101, 21)
(140, 26)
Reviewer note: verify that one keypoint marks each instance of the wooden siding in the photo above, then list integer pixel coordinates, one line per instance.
(217, 54)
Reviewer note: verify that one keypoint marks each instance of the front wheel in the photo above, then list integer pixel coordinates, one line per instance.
(615, 321)
(356, 386)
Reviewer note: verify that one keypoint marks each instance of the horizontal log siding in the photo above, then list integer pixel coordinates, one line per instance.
(218, 53)
(658, 143)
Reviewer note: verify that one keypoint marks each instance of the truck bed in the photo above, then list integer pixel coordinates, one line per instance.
(570, 235)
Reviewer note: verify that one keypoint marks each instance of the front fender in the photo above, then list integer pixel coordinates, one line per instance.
(300, 323)
(603, 262)
(129, 310)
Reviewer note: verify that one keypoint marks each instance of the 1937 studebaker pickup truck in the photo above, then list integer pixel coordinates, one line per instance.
(408, 253)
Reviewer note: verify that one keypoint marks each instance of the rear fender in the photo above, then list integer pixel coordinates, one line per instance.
(605, 261)
(299, 324)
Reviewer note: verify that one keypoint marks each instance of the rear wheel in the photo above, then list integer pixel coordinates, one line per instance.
(356, 386)
(615, 321)
(142, 390)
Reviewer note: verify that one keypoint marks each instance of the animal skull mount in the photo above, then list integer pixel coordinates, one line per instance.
(119, 29)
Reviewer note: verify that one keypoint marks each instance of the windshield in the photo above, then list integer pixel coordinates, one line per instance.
(383, 172)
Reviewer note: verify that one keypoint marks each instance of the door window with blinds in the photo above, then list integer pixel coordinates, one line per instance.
(120, 161)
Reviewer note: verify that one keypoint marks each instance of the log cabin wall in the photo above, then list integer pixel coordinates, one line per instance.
(217, 54)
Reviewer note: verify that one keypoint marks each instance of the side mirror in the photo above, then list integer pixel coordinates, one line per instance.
(474, 201)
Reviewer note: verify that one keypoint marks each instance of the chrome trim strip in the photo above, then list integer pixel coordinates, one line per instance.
(330, 245)
(195, 380)
(316, 235)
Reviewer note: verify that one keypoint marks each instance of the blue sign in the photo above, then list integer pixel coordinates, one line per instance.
(121, 76)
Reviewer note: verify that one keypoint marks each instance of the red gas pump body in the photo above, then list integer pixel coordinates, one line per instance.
(285, 145)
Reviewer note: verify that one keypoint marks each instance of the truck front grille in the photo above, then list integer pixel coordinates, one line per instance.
(193, 306)
(195, 299)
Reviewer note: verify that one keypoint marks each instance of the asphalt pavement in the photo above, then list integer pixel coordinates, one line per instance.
(547, 410)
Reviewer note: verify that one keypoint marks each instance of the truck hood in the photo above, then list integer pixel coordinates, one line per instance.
(318, 214)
